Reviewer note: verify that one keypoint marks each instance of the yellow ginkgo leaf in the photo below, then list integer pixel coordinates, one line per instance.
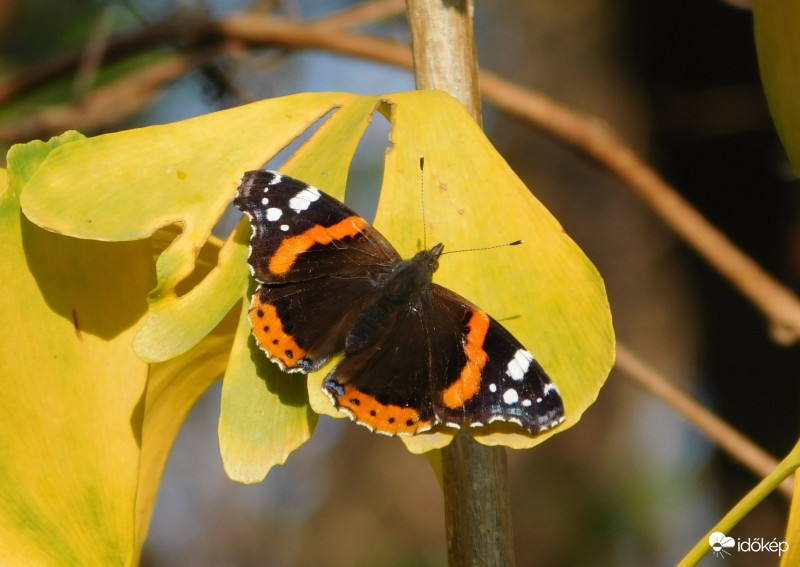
(84, 436)
(545, 291)
(264, 414)
(184, 175)
(69, 435)
(778, 43)
(127, 185)
(173, 387)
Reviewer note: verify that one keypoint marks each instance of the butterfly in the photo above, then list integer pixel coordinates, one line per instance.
(414, 353)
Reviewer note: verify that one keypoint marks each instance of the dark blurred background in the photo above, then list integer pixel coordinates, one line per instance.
(632, 484)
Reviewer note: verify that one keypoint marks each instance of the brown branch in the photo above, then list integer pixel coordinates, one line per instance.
(207, 37)
(359, 15)
(723, 435)
(261, 30)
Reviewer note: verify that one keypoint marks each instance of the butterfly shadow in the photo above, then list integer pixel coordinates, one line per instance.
(290, 387)
(99, 287)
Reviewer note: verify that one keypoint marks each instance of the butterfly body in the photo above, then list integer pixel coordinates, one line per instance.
(415, 354)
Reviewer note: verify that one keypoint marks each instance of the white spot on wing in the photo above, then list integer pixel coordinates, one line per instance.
(276, 178)
(526, 403)
(284, 227)
(518, 366)
(510, 396)
(493, 387)
(303, 199)
(264, 201)
(274, 213)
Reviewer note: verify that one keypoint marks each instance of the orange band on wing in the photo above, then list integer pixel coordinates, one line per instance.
(292, 247)
(469, 381)
(269, 334)
(388, 419)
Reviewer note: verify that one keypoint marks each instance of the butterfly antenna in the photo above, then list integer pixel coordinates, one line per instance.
(422, 201)
(425, 224)
(515, 243)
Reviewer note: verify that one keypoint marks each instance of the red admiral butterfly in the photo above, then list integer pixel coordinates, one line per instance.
(415, 353)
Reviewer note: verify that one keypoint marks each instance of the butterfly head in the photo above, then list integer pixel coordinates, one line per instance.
(430, 257)
(427, 261)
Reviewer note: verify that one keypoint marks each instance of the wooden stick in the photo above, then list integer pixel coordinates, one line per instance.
(476, 499)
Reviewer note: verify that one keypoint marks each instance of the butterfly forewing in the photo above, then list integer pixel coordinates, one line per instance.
(315, 260)
(300, 233)
(490, 376)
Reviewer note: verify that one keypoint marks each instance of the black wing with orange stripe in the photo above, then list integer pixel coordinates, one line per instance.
(315, 260)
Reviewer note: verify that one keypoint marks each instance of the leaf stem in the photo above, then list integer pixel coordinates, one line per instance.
(769, 483)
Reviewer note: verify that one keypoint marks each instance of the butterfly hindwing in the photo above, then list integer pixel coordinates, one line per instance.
(383, 382)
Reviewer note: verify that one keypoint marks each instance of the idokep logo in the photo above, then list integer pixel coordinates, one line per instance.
(720, 544)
